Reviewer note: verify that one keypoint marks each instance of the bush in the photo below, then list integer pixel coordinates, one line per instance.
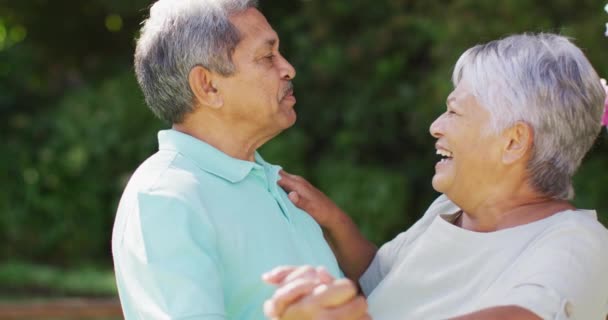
(371, 78)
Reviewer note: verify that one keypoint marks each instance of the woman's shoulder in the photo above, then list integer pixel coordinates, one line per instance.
(578, 230)
(579, 220)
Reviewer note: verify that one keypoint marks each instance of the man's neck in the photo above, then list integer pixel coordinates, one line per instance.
(238, 142)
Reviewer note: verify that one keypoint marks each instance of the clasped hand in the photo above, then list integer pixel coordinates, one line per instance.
(307, 293)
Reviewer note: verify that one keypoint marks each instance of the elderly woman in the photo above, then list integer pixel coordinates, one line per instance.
(503, 241)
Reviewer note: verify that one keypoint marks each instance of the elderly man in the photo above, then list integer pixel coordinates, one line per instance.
(503, 241)
(201, 219)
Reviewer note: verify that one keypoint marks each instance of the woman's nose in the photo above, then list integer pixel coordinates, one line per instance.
(435, 128)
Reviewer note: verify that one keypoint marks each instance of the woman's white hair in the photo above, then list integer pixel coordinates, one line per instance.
(547, 82)
(178, 35)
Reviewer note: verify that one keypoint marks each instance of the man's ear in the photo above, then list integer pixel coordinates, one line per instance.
(201, 83)
(519, 140)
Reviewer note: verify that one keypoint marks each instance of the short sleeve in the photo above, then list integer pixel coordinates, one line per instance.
(381, 264)
(563, 276)
(167, 262)
(388, 255)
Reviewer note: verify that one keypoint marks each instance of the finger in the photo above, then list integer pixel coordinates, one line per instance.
(288, 176)
(294, 197)
(278, 274)
(269, 310)
(324, 276)
(286, 183)
(295, 177)
(303, 203)
(302, 272)
(336, 293)
(289, 184)
(288, 294)
(353, 309)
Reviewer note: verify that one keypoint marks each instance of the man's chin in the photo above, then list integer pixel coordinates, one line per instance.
(290, 118)
(288, 114)
(284, 123)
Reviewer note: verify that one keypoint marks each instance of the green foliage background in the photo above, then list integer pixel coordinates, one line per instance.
(372, 75)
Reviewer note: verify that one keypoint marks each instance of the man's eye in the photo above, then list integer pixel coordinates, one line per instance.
(269, 57)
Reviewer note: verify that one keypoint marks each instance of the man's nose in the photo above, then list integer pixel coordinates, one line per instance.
(288, 72)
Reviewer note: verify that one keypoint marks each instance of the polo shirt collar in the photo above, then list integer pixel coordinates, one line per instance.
(207, 157)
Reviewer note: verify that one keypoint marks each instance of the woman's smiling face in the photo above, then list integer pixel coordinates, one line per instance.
(471, 153)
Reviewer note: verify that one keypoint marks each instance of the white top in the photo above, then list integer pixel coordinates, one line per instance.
(556, 267)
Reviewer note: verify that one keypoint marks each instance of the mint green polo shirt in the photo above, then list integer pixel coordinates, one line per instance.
(196, 228)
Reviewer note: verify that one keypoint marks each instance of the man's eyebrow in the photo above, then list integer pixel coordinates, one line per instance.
(266, 44)
(271, 42)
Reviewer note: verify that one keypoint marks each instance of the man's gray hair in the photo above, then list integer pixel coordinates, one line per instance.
(547, 82)
(178, 35)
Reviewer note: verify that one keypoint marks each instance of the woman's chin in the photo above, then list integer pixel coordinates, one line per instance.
(438, 183)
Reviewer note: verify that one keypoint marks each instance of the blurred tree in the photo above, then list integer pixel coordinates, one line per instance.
(371, 78)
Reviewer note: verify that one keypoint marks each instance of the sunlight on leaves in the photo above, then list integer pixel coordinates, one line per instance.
(114, 23)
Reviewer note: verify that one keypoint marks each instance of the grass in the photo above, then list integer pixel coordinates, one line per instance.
(20, 280)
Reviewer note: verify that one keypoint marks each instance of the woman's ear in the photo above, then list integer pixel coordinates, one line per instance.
(519, 140)
(201, 83)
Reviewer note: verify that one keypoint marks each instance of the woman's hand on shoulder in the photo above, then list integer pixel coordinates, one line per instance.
(310, 199)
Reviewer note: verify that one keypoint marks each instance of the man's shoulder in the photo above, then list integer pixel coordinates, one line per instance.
(164, 185)
(165, 173)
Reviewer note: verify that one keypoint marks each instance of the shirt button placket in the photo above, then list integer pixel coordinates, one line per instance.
(273, 188)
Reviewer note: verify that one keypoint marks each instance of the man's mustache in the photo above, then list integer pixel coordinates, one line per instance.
(287, 90)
